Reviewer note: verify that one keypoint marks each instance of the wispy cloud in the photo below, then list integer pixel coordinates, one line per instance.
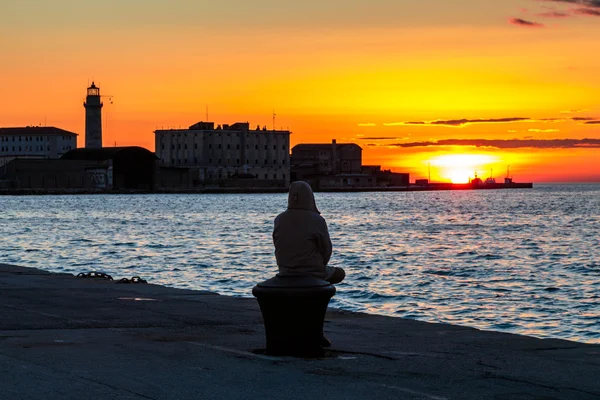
(588, 7)
(457, 123)
(543, 130)
(403, 123)
(382, 138)
(585, 3)
(574, 111)
(508, 144)
(592, 123)
(523, 22)
(588, 11)
(554, 14)
(367, 124)
(463, 121)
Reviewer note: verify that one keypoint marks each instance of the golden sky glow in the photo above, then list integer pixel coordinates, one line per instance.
(351, 70)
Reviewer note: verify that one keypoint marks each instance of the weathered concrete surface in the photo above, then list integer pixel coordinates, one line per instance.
(63, 337)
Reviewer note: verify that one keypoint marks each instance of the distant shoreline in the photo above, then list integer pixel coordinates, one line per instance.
(222, 190)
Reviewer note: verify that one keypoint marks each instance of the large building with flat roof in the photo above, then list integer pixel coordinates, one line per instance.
(35, 142)
(226, 152)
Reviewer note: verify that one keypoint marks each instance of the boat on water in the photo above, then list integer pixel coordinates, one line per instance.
(490, 182)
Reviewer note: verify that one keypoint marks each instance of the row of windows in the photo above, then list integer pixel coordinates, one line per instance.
(28, 138)
(266, 176)
(237, 146)
(27, 148)
(210, 161)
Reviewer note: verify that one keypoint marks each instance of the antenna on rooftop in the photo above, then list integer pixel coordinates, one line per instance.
(274, 119)
(429, 171)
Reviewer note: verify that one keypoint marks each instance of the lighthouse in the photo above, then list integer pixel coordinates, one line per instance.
(93, 118)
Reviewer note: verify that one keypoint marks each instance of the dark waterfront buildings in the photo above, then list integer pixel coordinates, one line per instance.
(35, 142)
(226, 155)
(337, 166)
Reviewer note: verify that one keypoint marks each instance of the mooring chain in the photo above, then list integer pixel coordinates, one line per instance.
(102, 275)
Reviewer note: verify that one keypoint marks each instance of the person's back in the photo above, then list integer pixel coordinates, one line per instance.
(301, 237)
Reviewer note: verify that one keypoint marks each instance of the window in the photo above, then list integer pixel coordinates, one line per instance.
(265, 146)
(219, 161)
(196, 146)
(210, 160)
(282, 162)
(256, 147)
(210, 146)
(219, 145)
(274, 176)
(274, 162)
(185, 146)
(283, 176)
(274, 147)
(237, 161)
(172, 147)
(266, 176)
(228, 147)
(256, 162)
(283, 147)
(237, 147)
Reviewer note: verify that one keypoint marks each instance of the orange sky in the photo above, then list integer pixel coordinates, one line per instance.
(354, 70)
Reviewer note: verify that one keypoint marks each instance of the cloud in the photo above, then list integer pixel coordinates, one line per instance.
(543, 130)
(458, 123)
(554, 14)
(508, 144)
(585, 3)
(574, 111)
(462, 121)
(403, 123)
(368, 124)
(588, 11)
(381, 138)
(592, 123)
(523, 22)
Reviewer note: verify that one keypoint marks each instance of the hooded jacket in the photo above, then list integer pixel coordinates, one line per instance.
(301, 238)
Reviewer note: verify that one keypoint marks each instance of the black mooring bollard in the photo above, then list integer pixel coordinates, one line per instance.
(293, 310)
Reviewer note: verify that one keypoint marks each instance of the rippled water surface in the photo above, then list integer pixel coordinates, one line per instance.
(523, 261)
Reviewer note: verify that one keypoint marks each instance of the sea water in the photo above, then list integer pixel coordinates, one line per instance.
(523, 261)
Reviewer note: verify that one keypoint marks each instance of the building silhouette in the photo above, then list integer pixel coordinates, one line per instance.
(35, 142)
(226, 153)
(93, 118)
(335, 165)
(328, 158)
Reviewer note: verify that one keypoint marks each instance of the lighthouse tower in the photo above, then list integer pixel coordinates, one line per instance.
(93, 118)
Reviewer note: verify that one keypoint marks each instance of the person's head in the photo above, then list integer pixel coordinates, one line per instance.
(301, 197)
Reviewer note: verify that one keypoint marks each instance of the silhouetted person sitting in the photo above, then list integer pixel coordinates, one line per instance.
(301, 238)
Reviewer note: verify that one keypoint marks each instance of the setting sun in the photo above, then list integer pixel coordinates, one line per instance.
(459, 168)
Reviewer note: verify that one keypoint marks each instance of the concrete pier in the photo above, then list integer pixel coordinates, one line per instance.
(63, 337)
